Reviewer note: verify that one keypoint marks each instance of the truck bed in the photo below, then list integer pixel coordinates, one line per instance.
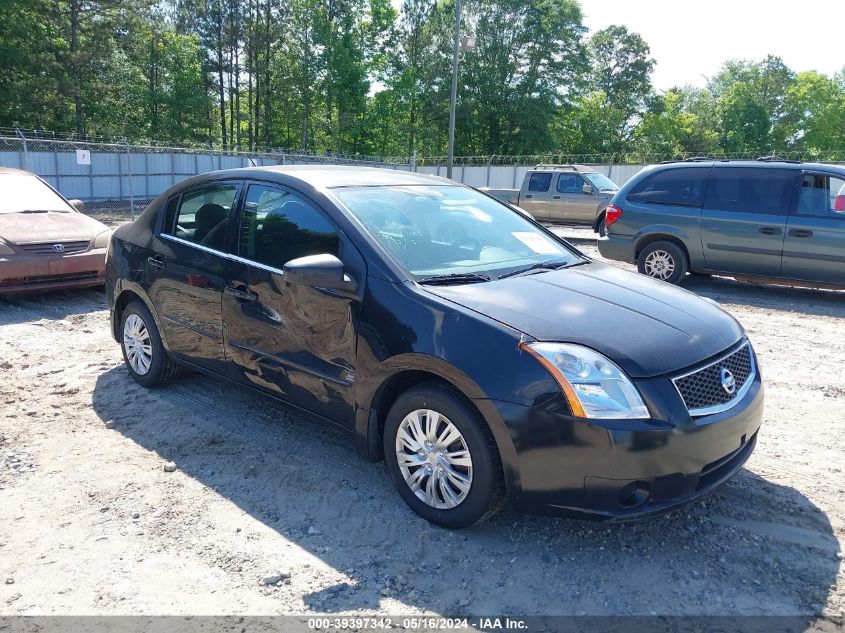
(511, 196)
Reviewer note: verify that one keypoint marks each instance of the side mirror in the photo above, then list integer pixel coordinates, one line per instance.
(317, 271)
(588, 189)
(77, 204)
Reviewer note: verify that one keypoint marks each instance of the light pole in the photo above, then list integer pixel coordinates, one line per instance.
(455, 51)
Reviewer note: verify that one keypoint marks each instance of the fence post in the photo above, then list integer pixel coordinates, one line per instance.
(414, 162)
(25, 152)
(489, 167)
(514, 175)
(129, 178)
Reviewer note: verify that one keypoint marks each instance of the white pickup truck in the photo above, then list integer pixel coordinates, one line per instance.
(571, 194)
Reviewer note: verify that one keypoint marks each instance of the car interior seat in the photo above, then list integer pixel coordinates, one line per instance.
(210, 225)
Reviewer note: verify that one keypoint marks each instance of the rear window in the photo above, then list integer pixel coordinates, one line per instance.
(540, 181)
(749, 190)
(682, 187)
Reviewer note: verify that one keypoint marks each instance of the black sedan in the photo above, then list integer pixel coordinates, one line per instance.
(488, 362)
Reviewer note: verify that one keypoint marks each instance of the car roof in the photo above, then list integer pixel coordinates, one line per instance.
(12, 170)
(756, 164)
(331, 176)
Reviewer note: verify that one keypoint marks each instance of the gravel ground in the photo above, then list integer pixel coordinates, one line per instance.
(203, 498)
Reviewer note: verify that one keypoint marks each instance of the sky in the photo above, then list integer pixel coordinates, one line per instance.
(691, 39)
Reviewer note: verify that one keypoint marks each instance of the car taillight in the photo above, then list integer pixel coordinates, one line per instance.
(611, 214)
(839, 205)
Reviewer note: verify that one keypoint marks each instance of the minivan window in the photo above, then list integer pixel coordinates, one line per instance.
(822, 196)
(204, 215)
(570, 183)
(540, 181)
(278, 226)
(750, 190)
(680, 187)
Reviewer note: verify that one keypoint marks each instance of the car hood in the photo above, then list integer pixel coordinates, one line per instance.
(647, 327)
(51, 226)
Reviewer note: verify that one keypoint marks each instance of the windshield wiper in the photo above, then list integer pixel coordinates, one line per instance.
(552, 265)
(42, 211)
(454, 278)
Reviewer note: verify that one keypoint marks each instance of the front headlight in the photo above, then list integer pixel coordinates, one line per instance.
(593, 384)
(102, 239)
(5, 250)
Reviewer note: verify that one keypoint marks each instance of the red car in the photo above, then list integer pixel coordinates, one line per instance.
(45, 242)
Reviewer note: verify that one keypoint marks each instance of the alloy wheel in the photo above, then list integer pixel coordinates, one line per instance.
(659, 264)
(434, 459)
(137, 344)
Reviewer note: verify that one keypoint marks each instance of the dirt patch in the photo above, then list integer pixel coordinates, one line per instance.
(94, 524)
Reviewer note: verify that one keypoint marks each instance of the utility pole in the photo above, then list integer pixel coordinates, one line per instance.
(455, 52)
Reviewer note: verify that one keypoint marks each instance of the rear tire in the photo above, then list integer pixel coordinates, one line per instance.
(148, 362)
(663, 260)
(601, 229)
(442, 457)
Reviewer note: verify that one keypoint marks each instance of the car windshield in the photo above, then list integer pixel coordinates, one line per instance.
(22, 192)
(601, 182)
(437, 230)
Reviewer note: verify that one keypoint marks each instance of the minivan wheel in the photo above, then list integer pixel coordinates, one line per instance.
(602, 227)
(663, 260)
(145, 356)
(442, 457)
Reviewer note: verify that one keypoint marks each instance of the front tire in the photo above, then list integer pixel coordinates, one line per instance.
(146, 359)
(442, 458)
(663, 260)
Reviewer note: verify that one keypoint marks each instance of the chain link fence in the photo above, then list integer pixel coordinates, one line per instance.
(116, 178)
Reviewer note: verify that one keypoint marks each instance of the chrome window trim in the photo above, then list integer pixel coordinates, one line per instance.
(740, 393)
(229, 256)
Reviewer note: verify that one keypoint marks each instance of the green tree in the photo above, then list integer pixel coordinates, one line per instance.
(815, 113)
(621, 67)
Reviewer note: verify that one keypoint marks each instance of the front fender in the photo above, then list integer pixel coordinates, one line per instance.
(366, 423)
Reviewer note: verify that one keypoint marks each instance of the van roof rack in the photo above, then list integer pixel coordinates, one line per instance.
(691, 159)
(777, 159)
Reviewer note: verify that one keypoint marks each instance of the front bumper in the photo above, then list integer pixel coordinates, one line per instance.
(21, 273)
(618, 248)
(604, 469)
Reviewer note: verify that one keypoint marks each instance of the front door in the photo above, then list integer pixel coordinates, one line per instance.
(743, 219)
(536, 198)
(184, 276)
(570, 203)
(814, 248)
(295, 341)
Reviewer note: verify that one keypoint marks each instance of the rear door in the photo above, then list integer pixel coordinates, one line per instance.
(569, 202)
(184, 276)
(744, 217)
(814, 247)
(295, 341)
(536, 197)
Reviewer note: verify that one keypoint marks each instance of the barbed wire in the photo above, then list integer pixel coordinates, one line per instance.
(630, 158)
(75, 141)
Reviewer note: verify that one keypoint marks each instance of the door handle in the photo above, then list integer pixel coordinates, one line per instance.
(241, 293)
(156, 261)
(528, 195)
(800, 233)
(769, 230)
(555, 197)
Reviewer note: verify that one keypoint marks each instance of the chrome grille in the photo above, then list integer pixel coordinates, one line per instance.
(47, 248)
(702, 390)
